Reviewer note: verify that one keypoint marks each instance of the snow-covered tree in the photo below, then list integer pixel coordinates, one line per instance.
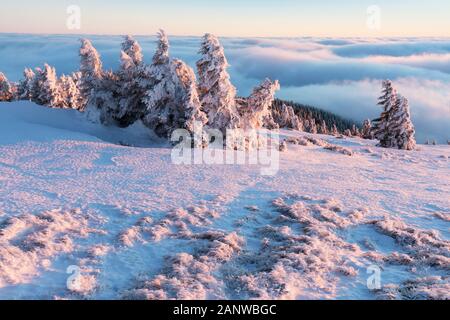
(312, 126)
(355, 131)
(334, 130)
(258, 107)
(6, 90)
(323, 127)
(400, 127)
(91, 70)
(285, 117)
(187, 96)
(70, 91)
(25, 85)
(172, 100)
(133, 49)
(132, 86)
(367, 130)
(217, 94)
(104, 99)
(394, 128)
(387, 100)
(36, 85)
(45, 89)
(161, 55)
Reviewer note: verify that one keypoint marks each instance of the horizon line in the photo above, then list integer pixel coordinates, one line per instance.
(230, 37)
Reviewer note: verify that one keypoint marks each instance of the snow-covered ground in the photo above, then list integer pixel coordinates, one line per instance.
(94, 212)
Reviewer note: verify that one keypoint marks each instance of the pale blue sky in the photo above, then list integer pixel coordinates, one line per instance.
(231, 17)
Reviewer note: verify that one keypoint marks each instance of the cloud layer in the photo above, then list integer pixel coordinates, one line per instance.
(340, 75)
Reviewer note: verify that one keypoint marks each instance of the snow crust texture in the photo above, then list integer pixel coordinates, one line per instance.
(89, 212)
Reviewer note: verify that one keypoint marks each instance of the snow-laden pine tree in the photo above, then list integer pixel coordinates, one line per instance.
(36, 85)
(334, 130)
(161, 88)
(104, 99)
(323, 127)
(258, 107)
(91, 71)
(26, 85)
(355, 131)
(6, 90)
(380, 126)
(312, 126)
(400, 127)
(217, 94)
(286, 117)
(161, 56)
(172, 101)
(46, 90)
(132, 86)
(367, 130)
(133, 49)
(70, 92)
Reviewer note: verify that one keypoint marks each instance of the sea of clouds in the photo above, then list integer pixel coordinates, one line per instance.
(340, 75)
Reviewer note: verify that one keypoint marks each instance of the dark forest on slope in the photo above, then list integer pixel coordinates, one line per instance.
(306, 113)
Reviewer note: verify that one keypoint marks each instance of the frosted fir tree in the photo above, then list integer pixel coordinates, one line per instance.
(187, 96)
(323, 127)
(380, 126)
(160, 88)
(36, 84)
(312, 126)
(133, 49)
(217, 94)
(334, 130)
(70, 92)
(104, 99)
(24, 90)
(401, 129)
(285, 117)
(258, 107)
(367, 130)
(158, 75)
(132, 86)
(355, 131)
(161, 56)
(6, 90)
(46, 90)
(91, 70)
(294, 121)
(172, 101)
